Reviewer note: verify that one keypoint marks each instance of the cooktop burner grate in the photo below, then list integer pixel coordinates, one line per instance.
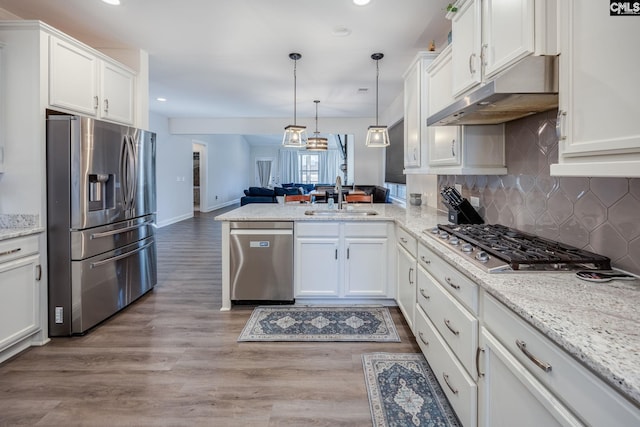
(520, 249)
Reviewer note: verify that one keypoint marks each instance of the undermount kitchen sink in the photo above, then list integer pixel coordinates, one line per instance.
(341, 213)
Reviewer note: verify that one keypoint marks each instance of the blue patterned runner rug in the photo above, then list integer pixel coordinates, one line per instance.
(403, 391)
(320, 323)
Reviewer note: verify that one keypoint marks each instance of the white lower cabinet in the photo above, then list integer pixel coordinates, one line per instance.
(341, 259)
(510, 396)
(460, 389)
(19, 294)
(406, 250)
(589, 398)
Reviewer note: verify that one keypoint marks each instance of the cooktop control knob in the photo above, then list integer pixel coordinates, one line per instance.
(454, 241)
(444, 235)
(482, 256)
(467, 247)
(435, 230)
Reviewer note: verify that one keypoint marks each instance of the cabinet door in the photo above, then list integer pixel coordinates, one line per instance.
(406, 284)
(317, 267)
(507, 33)
(117, 88)
(439, 83)
(366, 267)
(444, 149)
(19, 300)
(598, 122)
(412, 122)
(73, 77)
(510, 396)
(465, 50)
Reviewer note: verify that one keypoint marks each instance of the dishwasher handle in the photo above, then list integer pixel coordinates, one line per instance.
(257, 232)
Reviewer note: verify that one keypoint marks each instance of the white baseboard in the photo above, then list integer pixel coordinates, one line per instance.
(174, 220)
(221, 205)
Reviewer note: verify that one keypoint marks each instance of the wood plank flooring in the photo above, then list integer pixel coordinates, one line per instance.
(171, 359)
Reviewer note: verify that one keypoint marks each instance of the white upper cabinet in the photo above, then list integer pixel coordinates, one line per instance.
(81, 81)
(491, 35)
(73, 77)
(416, 111)
(598, 120)
(466, 33)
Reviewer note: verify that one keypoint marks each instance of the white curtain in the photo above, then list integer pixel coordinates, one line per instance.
(288, 163)
(264, 172)
(329, 166)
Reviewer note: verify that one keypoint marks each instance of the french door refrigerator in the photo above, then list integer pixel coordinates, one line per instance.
(101, 205)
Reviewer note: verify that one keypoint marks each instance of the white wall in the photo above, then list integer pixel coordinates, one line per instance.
(174, 161)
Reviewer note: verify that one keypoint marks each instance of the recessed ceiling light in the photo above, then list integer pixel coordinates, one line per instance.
(361, 2)
(113, 2)
(161, 99)
(340, 31)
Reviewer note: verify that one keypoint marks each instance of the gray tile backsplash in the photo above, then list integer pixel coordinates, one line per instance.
(598, 214)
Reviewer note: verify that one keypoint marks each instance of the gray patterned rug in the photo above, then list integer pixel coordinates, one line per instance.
(403, 391)
(320, 323)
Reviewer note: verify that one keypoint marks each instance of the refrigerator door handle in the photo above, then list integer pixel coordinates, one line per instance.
(133, 173)
(119, 230)
(121, 256)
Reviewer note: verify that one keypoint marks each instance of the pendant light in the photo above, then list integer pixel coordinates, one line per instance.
(315, 143)
(377, 136)
(295, 136)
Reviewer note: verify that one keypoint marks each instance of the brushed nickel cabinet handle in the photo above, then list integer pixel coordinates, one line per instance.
(423, 294)
(450, 282)
(96, 102)
(478, 351)
(453, 150)
(410, 271)
(471, 69)
(38, 272)
(448, 324)
(10, 251)
(336, 254)
(403, 240)
(421, 336)
(106, 105)
(426, 261)
(539, 363)
(446, 380)
(560, 119)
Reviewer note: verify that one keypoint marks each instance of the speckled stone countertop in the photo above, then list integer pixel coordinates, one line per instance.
(16, 225)
(597, 323)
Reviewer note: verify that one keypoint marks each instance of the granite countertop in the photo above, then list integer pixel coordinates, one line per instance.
(17, 225)
(597, 323)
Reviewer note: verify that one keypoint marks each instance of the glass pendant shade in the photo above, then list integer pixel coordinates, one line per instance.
(316, 143)
(295, 136)
(377, 136)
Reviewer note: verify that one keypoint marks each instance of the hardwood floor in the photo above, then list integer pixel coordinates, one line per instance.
(171, 359)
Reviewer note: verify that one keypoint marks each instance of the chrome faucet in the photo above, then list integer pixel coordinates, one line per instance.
(339, 191)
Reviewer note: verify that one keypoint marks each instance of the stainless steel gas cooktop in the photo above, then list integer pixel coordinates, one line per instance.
(497, 248)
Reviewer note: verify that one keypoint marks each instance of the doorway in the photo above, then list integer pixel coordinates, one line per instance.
(199, 176)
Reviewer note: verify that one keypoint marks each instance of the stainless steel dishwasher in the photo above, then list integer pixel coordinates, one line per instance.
(261, 261)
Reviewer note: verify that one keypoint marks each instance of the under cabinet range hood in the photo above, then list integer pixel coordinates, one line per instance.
(528, 87)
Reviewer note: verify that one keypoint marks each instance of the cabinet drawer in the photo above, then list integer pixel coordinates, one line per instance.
(456, 325)
(365, 229)
(459, 285)
(324, 229)
(459, 388)
(17, 248)
(588, 396)
(407, 241)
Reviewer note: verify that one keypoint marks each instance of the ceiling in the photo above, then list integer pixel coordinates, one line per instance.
(230, 58)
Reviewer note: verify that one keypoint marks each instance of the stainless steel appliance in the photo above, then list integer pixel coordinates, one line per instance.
(261, 261)
(101, 203)
(497, 248)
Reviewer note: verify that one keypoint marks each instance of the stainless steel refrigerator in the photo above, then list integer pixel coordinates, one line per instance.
(101, 204)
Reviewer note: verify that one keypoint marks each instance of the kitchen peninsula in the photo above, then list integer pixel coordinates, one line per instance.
(595, 323)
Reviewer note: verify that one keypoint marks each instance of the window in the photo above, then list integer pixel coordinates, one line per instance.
(308, 166)
(397, 192)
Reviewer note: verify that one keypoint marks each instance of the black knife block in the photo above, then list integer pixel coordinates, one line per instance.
(464, 213)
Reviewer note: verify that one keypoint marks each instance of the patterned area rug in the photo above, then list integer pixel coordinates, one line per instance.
(320, 323)
(403, 391)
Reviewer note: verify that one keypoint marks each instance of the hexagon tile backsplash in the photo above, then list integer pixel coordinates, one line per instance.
(596, 214)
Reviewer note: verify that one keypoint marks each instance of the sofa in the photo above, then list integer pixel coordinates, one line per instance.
(266, 195)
